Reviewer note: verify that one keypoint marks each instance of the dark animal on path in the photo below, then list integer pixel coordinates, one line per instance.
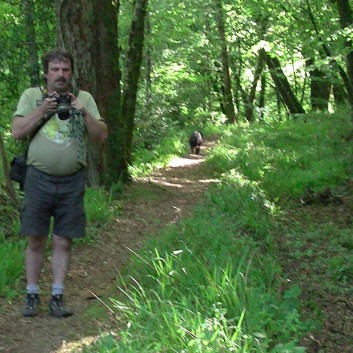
(195, 142)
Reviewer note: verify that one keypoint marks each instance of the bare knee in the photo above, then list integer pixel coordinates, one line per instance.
(61, 244)
(36, 244)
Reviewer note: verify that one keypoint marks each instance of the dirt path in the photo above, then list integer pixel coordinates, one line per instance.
(151, 204)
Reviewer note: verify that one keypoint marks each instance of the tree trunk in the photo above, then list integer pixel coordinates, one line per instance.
(320, 87)
(148, 96)
(133, 65)
(28, 11)
(249, 112)
(227, 95)
(283, 87)
(262, 96)
(79, 25)
(8, 186)
(339, 94)
(346, 19)
(334, 64)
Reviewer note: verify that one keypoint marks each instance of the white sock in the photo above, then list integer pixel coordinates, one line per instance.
(57, 289)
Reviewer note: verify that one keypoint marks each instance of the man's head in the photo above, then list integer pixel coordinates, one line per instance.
(58, 67)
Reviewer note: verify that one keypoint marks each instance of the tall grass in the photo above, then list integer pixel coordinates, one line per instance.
(11, 262)
(213, 283)
(207, 285)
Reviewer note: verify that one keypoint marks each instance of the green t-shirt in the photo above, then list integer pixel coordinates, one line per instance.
(54, 149)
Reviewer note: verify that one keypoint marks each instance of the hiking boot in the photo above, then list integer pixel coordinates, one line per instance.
(56, 307)
(30, 308)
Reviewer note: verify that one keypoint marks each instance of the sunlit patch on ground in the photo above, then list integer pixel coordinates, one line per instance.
(74, 346)
(208, 181)
(184, 162)
(165, 183)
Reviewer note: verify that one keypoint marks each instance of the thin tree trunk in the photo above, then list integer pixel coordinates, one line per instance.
(148, 69)
(249, 112)
(262, 96)
(283, 87)
(8, 186)
(28, 10)
(133, 66)
(346, 19)
(228, 95)
(320, 87)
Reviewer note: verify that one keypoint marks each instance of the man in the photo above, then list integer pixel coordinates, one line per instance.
(54, 185)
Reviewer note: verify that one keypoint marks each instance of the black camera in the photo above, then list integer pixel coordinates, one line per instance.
(64, 106)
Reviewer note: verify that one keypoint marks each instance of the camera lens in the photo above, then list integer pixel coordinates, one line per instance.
(63, 108)
(63, 114)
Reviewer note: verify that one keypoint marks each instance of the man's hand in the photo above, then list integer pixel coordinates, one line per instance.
(75, 103)
(97, 129)
(49, 104)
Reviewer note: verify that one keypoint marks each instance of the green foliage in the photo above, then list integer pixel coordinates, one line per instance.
(100, 209)
(287, 159)
(99, 206)
(159, 155)
(11, 263)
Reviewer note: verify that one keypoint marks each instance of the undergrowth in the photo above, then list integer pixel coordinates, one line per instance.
(213, 283)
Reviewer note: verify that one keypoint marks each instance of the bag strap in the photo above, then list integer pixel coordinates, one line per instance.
(42, 123)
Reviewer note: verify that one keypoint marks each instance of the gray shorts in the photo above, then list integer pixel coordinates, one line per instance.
(60, 197)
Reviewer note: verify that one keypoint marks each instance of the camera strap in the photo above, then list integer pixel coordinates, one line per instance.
(46, 118)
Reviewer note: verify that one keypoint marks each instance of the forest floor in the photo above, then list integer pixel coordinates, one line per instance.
(149, 205)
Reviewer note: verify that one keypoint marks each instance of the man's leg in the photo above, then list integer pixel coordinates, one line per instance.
(34, 261)
(34, 258)
(60, 266)
(60, 259)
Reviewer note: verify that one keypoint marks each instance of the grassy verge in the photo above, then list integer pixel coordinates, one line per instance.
(214, 283)
(207, 285)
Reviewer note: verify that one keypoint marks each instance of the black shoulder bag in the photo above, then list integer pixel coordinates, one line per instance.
(18, 166)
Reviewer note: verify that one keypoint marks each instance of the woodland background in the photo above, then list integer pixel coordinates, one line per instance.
(274, 79)
(221, 61)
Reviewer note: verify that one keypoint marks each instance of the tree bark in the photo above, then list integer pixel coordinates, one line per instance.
(8, 186)
(262, 96)
(227, 84)
(133, 65)
(282, 86)
(148, 96)
(89, 30)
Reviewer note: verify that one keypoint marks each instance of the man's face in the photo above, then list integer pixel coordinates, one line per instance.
(59, 75)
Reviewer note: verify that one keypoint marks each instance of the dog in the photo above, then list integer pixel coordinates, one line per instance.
(195, 142)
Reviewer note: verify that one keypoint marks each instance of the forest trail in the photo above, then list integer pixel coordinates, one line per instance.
(151, 204)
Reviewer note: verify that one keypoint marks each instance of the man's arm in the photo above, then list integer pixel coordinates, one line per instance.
(23, 126)
(97, 129)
